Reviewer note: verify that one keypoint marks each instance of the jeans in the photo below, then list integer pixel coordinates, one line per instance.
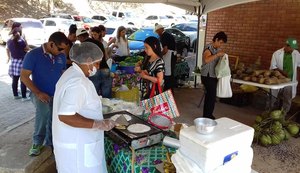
(103, 83)
(14, 85)
(210, 85)
(42, 134)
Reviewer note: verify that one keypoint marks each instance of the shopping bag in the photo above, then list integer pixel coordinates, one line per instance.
(163, 103)
(222, 69)
(224, 87)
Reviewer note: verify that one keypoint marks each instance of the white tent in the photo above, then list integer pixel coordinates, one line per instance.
(192, 5)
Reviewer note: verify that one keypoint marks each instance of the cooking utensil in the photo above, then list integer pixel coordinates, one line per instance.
(121, 120)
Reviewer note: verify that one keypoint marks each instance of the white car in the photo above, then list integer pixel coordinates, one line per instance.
(32, 30)
(104, 18)
(151, 20)
(112, 29)
(56, 24)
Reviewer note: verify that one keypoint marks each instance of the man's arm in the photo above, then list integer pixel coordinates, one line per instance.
(25, 78)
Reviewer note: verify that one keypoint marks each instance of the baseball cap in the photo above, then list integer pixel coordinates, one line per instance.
(80, 31)
(292, 42)
(157, 26)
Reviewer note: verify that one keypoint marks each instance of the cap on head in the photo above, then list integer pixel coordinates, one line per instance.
(80, 31)
(292, 42)
(157, 27)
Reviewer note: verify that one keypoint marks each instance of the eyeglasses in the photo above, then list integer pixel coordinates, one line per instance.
(59, 48)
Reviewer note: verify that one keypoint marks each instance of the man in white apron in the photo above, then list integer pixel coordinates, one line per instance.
(286, 60)
(169, 55)
(78, 125)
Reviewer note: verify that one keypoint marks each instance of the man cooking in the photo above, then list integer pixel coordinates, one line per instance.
(286, 60)
(78, 125)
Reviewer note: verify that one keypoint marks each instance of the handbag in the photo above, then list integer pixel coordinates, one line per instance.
(163, 103)
(222, 69)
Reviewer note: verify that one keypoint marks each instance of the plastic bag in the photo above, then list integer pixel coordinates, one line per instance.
(222, 69)
(224, 87)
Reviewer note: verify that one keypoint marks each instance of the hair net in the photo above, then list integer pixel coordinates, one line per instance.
(85, 53)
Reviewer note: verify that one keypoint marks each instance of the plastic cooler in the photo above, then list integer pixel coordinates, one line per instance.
(229, 139)
(239, 164)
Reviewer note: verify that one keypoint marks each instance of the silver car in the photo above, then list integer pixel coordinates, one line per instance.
(32, 30)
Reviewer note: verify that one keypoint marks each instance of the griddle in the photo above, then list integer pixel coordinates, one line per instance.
(135, 140)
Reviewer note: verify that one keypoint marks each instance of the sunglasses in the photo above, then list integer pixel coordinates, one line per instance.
(59, 48)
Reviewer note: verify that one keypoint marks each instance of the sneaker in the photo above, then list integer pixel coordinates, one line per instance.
(25, 99)
(35, 150)
(17, 97)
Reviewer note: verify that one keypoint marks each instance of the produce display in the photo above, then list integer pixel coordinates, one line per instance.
(271, 128)
(268, 77)
(131, 61)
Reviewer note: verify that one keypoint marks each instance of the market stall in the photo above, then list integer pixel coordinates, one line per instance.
(137, 146)
(265, 86)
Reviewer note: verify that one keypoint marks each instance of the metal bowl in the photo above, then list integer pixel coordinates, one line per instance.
(205, 125)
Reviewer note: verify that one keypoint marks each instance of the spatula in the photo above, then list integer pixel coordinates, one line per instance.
(121, 120)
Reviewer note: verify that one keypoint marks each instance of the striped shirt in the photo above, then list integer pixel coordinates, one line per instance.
(155, 67)
(208, 69)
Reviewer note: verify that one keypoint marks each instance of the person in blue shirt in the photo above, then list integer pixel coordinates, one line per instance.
(45, 65)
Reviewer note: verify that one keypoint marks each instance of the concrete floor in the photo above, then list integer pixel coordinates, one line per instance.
(283, 158)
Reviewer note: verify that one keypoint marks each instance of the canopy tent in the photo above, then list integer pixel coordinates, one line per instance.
(192, 5)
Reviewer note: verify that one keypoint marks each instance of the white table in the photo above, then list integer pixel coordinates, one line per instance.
(271, 87)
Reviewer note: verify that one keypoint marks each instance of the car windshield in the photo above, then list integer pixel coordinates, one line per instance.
(87, 20)
(163, 17)
(142, 34)
(110, 30)
(31, 24)
(129, 14)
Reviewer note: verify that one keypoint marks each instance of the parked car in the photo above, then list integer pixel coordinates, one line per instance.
(56, 24)
(85, 22)
(151, 20)
(127, 17)
(189, 29)
(104, 18)
(136, 40)
(60, 15)
(112, 28)
(33, 31)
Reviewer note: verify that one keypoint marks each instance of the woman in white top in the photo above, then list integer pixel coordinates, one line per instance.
(78, 125)
(121, 43)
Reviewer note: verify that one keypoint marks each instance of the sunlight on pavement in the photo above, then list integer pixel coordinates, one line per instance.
(4, 77)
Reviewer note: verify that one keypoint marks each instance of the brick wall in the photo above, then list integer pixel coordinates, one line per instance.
(256, 29)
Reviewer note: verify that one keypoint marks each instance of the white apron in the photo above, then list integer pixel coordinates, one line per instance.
(77, 150)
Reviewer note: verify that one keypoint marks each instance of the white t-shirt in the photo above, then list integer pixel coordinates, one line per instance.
(122, 49)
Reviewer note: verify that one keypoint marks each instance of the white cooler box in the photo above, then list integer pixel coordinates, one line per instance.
(214, 150)
(239, 164)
